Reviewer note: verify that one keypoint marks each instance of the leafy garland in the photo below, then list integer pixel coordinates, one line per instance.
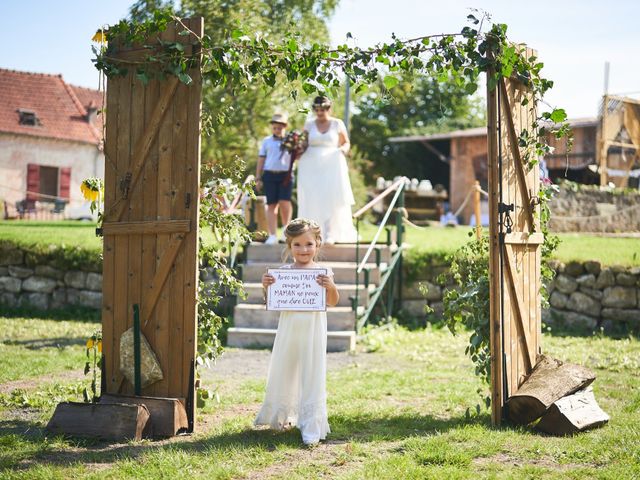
(244, 59)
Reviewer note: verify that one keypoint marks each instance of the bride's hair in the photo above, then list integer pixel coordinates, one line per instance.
(321, 101)
(299, 226)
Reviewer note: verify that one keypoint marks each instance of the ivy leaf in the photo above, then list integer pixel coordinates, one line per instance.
(390, 82)
(185, 78)
(236, 34)
(558, 115)
(308, 88)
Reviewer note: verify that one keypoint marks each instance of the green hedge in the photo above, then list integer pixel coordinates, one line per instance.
(64, 257)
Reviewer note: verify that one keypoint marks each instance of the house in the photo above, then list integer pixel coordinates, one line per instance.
(465, 151)
(50, 141)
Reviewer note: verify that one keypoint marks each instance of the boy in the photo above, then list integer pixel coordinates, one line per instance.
(272, 168)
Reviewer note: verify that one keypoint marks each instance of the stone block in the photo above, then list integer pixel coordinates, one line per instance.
(94, 282)
(558, 299)
(438, 309)
(566, 284)
(20, 272)
(618, 268)
(432, 292)
(90, 299)
(11, 257)
(575, 269)
(592, 292)
(556, 265)
(4, 271)
(39, 301)
(583, 303)
(577, 320)
(631, 316)
(75, 279)
(626, 279)
(10, 284)
(414, 307)
(605, 279)
(9, 299)
(49, 272)
(632, 271)
(620, 297)
(59, 298)
(593, 266)
(73, 296)
(39, 284)
(588, 280)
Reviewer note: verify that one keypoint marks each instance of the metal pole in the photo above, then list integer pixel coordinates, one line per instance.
(399, 237)
(604, 146)
(476, 208)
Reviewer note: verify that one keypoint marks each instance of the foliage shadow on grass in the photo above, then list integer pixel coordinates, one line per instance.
(71, 314)
(39, 343)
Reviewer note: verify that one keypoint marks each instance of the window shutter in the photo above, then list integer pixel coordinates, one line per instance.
(33, 181)
(65, 182)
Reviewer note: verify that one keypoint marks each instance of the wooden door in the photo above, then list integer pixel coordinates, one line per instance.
(152, 176)
(515, 251)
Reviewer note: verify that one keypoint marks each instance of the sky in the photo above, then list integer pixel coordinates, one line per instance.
(573, 38)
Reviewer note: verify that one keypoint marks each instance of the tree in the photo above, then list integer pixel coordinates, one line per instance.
(415, 106)
(241, 118)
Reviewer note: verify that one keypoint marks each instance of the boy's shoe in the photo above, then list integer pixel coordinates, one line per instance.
(271, 240)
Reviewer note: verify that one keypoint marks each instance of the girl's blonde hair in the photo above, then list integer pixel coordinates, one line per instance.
(299, 226)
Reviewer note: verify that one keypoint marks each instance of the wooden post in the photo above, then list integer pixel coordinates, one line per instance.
(476, 209)
(495, 326)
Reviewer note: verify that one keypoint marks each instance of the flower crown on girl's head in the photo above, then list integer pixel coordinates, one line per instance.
(298, 226)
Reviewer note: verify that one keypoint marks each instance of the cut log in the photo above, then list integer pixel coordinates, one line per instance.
(168, 416)
(549, 381)
(115, 421)
(573, 413)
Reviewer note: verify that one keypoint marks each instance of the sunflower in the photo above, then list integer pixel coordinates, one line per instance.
(90, 189)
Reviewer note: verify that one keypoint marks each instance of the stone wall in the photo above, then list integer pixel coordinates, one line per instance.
(582, 295)
(588, 209)
(43, 287)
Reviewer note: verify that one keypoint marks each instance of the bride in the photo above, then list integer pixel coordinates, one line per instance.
(324, 189)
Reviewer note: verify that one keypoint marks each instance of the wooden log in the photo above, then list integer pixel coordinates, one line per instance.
(573, 413)
(168, 416)
(549, 381)
(115, 421)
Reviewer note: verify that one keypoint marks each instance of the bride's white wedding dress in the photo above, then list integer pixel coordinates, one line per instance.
(324, 189)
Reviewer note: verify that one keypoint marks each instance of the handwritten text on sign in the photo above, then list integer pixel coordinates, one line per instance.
(297, 290)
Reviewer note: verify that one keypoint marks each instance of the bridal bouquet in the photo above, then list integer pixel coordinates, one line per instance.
(295, 143)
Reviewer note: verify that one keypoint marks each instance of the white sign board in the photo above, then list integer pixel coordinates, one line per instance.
(297, 290)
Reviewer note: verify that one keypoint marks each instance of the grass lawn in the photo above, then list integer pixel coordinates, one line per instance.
(396, 409)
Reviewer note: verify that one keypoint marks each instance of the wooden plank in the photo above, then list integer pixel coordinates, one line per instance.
(192, 180)
(150, 194)
(524, 238)
(151, 294)
(495, 319)
(118, 421)
(142, 146)
(121, 274)
(521, 318)
(108, 263)
(549, 381)
(163, 319)
(515, 151)
(148, 227)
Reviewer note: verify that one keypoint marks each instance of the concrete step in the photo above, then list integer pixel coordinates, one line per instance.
(255, 294)
(258, 337)
(246, 315)
(344, 272)
(341, 252)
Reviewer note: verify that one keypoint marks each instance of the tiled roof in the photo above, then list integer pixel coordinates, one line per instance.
(61, 109)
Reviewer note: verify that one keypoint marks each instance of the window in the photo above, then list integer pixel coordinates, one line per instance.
(28, 117)
(44, 182)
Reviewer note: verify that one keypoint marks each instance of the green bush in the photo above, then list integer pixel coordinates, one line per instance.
(65, 257)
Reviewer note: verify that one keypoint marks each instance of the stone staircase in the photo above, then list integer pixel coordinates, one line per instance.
(254, 326)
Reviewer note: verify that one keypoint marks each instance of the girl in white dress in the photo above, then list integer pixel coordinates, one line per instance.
(324, 189)
(296, 384)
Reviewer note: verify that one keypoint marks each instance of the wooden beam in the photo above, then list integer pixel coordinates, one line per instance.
(150, 298)
(435, 151)
(142, 147)
(517, 158)
(146, 227)
(529, 357)
(524, 238)
(495, 316)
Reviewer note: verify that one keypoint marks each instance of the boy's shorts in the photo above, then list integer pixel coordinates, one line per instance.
(273, 187)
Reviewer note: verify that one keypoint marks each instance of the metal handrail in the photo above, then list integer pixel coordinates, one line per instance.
(379, 197)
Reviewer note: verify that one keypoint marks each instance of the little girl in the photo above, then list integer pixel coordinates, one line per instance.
(296, 383)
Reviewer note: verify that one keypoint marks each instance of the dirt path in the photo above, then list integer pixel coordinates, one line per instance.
(43, 380)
